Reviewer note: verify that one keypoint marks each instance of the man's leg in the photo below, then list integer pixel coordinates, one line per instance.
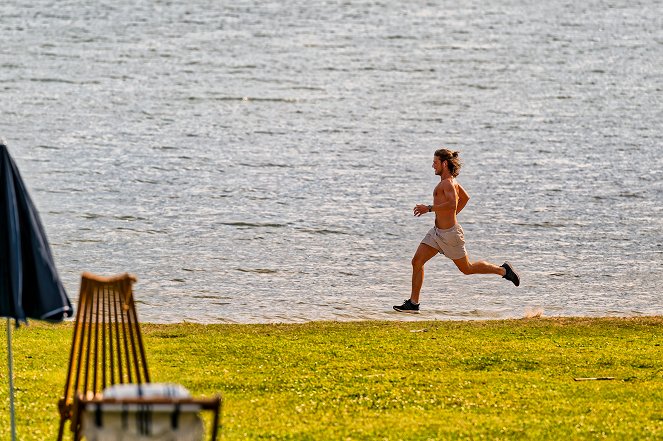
(478, 267)
(424, 254)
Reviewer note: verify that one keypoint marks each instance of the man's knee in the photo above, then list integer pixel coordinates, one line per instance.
(417, 262)
(466, 269)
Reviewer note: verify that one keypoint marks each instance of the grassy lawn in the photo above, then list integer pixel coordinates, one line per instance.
(509, 379)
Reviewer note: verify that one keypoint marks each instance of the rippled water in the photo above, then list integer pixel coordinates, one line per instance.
(258, 162)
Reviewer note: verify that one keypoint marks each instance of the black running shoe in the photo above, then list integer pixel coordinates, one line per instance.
(407, 306)
(510, 274)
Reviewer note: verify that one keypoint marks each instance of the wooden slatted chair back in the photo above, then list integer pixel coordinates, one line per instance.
(107, 347)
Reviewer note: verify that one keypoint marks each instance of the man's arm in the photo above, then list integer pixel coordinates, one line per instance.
(463, 197)
(448, 195)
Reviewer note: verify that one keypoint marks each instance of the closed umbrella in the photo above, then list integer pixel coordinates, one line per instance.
(29, 282)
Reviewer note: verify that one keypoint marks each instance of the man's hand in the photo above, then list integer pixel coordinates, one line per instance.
(420, 209)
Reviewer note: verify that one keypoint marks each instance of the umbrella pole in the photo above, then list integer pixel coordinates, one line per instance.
(11, 378)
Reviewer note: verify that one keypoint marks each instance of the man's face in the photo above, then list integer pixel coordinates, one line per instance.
(438, 165)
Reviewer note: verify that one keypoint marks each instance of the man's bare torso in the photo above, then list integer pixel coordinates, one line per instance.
(447, 190)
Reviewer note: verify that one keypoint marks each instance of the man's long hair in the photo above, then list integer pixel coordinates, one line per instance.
(453, 161)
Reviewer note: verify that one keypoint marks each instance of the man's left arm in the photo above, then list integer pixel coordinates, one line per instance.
(463, 197)
(448, 195)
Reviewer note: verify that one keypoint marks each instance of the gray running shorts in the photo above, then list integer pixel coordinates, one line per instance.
(450, 242)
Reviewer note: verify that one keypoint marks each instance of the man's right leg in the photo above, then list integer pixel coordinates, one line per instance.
(424, 254)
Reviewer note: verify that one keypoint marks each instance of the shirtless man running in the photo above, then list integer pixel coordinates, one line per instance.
(447, 237)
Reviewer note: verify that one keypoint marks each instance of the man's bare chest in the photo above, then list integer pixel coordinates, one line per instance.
(439, 193)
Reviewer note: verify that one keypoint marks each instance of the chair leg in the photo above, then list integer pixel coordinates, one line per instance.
(77, 433)
(215, 424)
(61, 430)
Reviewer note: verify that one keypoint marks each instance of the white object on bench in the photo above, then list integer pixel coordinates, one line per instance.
(141, 412)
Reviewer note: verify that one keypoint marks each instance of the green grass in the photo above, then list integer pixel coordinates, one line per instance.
(379, 380)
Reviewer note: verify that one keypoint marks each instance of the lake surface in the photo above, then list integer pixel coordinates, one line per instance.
(259, 161)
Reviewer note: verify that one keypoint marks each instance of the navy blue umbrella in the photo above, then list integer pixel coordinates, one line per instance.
(29, 283)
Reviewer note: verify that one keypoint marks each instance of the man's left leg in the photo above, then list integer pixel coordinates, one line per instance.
(481, 267)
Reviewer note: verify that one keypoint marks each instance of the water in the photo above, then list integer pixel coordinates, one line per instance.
(258, 162)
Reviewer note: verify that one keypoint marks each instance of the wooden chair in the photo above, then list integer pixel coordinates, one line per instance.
(107, 349)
